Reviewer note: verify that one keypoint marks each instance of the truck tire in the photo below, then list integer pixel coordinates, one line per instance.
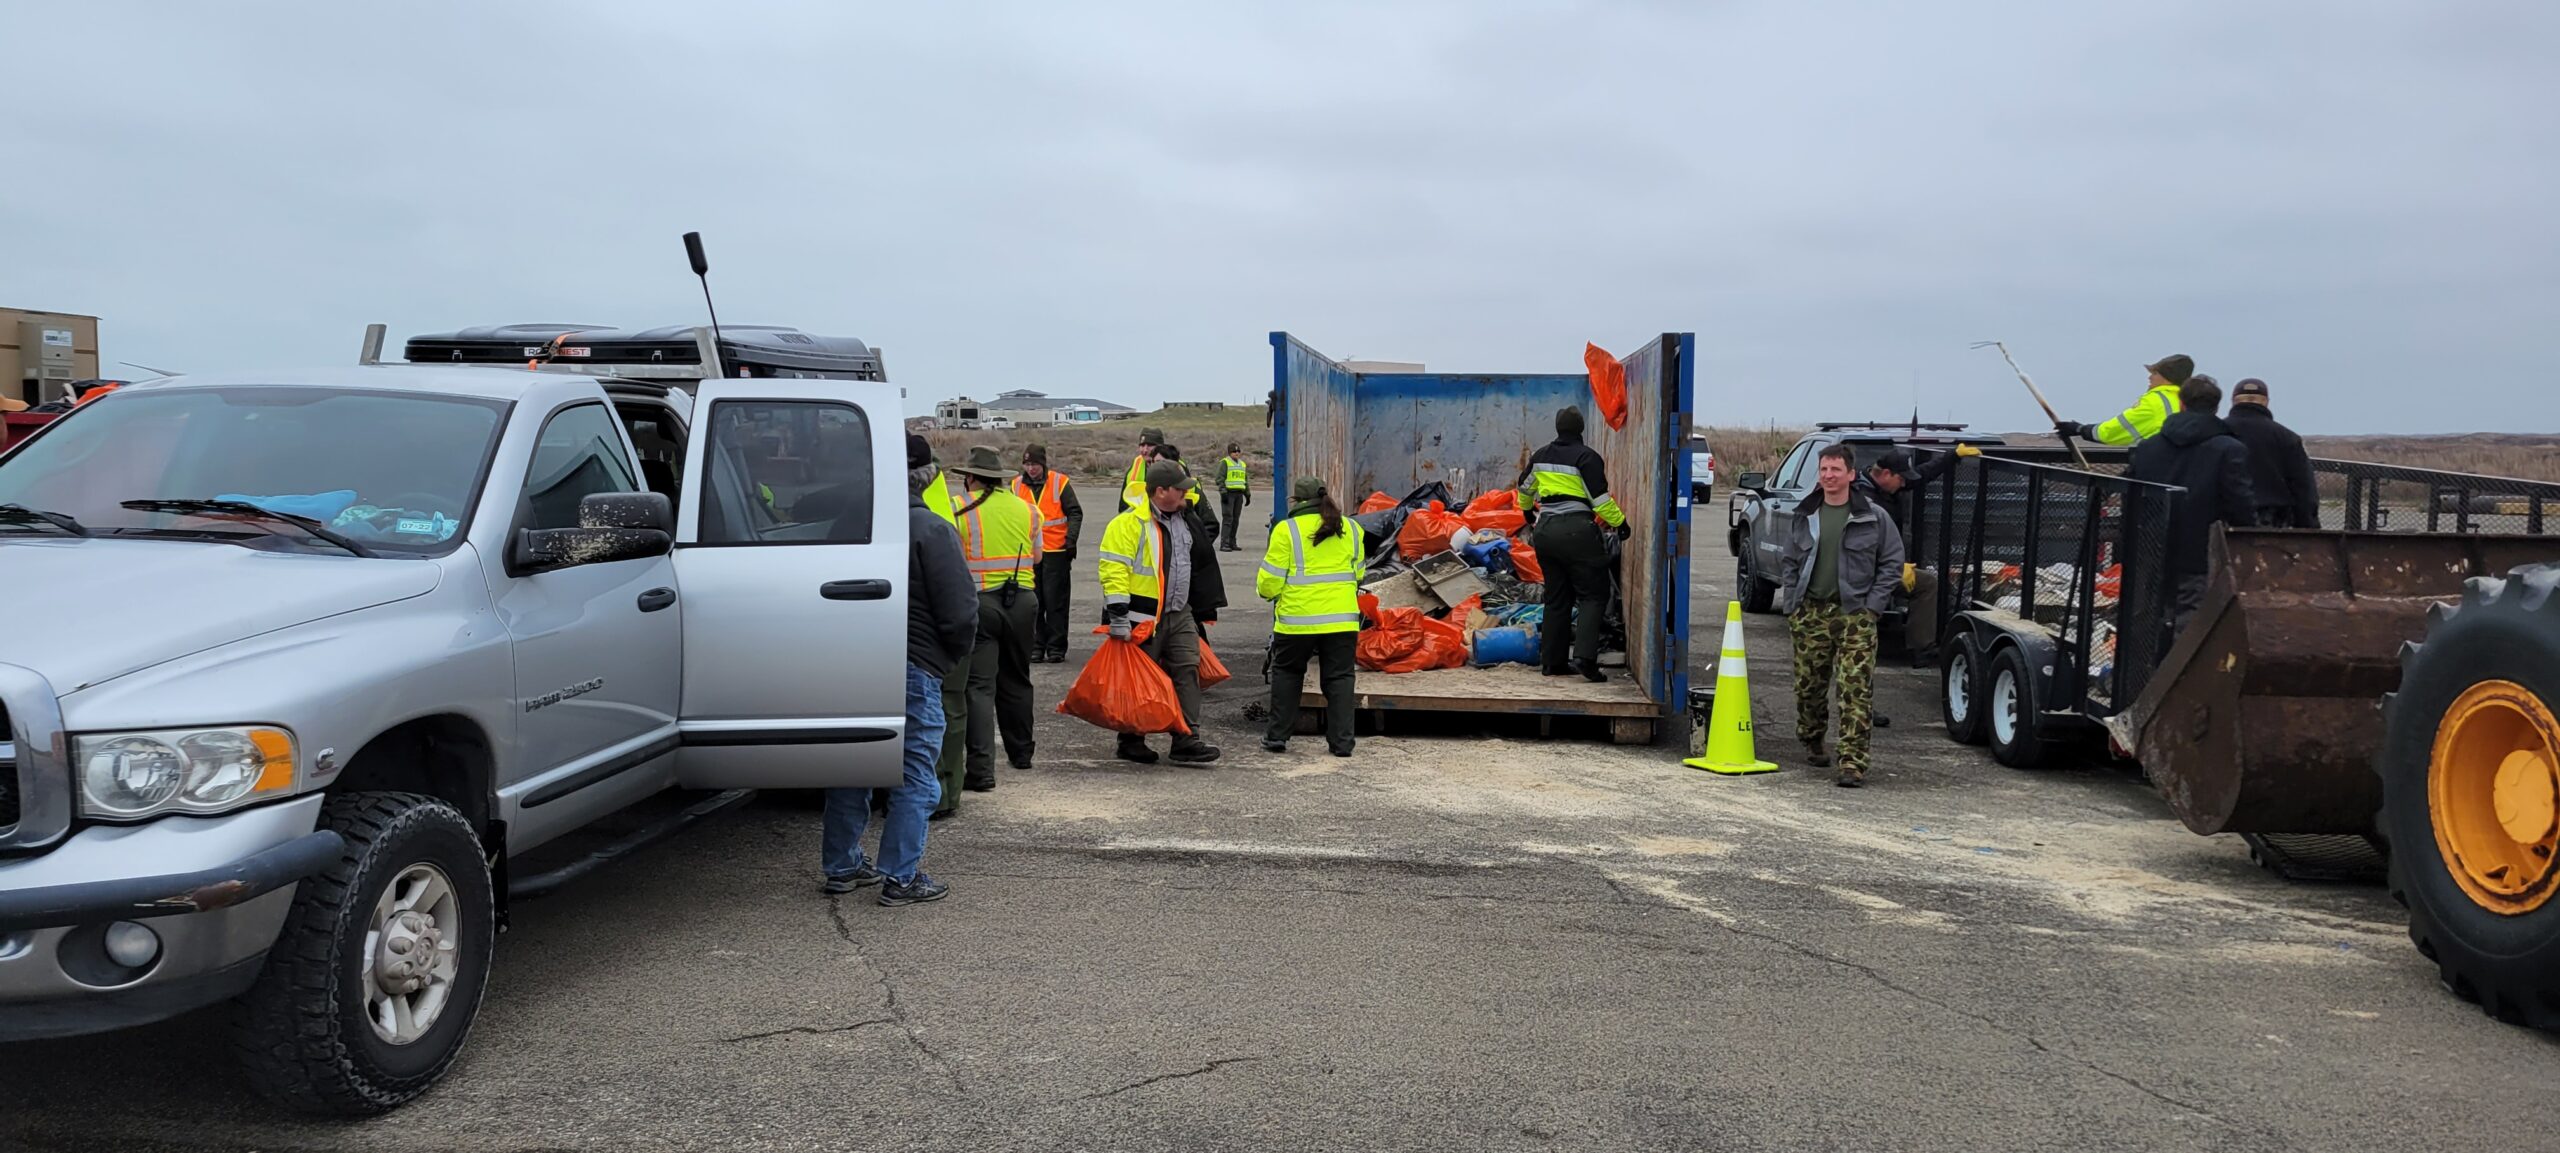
(2009, 712)
(1756, 595)
(1960, 691)
(369, 991)
(2470, 763)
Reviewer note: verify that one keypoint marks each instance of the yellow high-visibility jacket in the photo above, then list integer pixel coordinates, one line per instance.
(2142, 421)
(1314, 586)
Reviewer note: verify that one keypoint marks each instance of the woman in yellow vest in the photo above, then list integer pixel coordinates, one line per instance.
(1311, 574)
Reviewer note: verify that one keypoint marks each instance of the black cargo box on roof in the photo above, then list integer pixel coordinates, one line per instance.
(745, 350)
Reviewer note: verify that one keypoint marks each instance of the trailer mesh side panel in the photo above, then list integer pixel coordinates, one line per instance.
(2364, 497)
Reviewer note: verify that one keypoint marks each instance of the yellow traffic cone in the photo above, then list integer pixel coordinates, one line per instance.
(1729, 750)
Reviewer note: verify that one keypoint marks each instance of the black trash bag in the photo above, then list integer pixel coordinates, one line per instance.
(1436, 490)
(1379, 530)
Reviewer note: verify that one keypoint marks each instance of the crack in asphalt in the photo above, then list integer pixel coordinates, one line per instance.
(1160, 1078)
(1880, 979)
(889, 990)
(811, 1030)
(1620, 899)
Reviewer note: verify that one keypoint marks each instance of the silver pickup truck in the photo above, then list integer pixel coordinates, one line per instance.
(294, 665)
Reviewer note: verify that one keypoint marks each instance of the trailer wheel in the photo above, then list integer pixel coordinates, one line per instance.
(1960, 691)
(2470, 770)
(1755, 594)
(2009, 711)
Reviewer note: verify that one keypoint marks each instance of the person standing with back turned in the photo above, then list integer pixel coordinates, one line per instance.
(1311, 574)
(1844, 558)
(2197, 452)
(1234, 489)
(942, 628)
(1567, 486)
(2280, 479)
(2142, 421)
(1061, 521)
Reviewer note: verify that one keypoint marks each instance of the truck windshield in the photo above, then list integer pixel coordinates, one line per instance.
(395, 471)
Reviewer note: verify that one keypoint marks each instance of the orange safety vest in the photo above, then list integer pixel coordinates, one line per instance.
(1049, 500)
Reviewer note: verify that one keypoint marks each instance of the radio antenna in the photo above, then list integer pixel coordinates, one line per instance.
(702, 272)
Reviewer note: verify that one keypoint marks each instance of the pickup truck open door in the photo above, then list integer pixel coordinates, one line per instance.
(791, 560)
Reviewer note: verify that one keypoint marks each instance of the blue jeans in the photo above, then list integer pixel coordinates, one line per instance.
(902, 832)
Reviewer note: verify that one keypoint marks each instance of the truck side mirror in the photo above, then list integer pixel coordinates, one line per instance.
(1755, 481)
(642, 510)
(612, 526)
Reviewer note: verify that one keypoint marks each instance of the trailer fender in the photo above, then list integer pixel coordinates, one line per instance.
(1994, 632)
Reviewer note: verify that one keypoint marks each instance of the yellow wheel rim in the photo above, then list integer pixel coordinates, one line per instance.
(2493, 795)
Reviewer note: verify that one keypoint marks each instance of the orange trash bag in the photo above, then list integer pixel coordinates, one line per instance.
(1212, 670)
(1406, 641)
(1426, 532)
(1608, 383)
(1122, 690)
(1524, 561)
(1377, 502)
(1495, 512)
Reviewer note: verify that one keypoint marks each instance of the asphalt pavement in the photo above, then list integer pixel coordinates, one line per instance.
(1456, 941)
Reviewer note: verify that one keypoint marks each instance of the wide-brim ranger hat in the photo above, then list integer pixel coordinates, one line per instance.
(986, 462)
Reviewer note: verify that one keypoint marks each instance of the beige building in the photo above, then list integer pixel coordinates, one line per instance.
(40, 352)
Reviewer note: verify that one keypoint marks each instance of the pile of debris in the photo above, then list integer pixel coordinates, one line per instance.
(1448, 588)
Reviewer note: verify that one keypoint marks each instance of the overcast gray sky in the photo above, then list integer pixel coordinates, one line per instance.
(2355, 201)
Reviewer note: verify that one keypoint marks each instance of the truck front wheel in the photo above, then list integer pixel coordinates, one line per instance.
(369, 992)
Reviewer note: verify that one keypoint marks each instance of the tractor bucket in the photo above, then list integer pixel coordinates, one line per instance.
(2266, 714)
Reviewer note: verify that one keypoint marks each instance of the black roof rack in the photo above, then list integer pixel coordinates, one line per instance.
(672, 352)
(1889, 426)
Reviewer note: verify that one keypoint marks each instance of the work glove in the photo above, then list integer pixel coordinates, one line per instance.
(1623, 531)
(2067, 429)
(1910, 577)
(1964, 450)
(1119, 624)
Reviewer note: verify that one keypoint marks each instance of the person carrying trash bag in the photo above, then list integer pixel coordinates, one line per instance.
(1567, 484)
(1311, 574)
(1158, 565)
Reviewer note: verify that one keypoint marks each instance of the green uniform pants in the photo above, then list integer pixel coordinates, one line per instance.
(947, 766)
(1332, 653)
(1000, 682)
(1576, 566)
(1175, 647)
(1835, 646)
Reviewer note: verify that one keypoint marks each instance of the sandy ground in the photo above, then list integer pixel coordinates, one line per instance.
(1454, 941)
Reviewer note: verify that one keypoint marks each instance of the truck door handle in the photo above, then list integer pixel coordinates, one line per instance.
(858, 590)
(655, 599)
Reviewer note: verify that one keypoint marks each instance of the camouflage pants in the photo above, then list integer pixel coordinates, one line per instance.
(1835, 646)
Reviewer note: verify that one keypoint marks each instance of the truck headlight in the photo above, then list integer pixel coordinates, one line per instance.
(127, 775)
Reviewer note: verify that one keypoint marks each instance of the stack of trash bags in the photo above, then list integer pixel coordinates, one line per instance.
(1493, 572)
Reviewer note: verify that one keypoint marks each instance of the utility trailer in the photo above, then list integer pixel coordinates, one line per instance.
(1396, 431)
(2393, 684)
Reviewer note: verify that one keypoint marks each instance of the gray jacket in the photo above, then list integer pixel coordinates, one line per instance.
(1870, 555)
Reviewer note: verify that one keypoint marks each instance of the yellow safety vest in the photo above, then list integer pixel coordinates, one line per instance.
(1314, 586)
(2142, 421)
(1049, 499)
(1236, 481)
(1559, 488)
(1131, 563)
(999, 537)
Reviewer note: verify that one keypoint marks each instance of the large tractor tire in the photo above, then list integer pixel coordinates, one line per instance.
(2470, 770)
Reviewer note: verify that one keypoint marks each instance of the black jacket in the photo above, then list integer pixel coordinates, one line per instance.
(2196, 452)
(1569, 450)
(2279, 470)
(1208, 585)
(942, 600)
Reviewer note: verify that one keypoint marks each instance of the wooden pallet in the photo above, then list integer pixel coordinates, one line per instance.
(1517, 690)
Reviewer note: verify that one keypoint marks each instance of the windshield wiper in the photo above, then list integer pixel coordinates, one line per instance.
(243, 510)
(21, 514)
